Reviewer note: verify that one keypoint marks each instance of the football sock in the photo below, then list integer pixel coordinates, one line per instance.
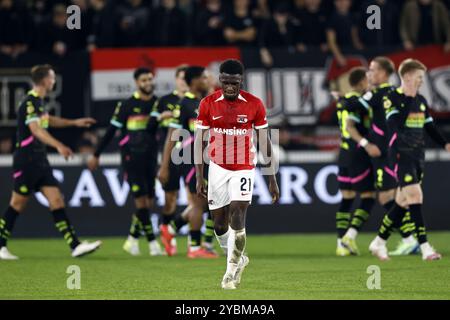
(178, 222)
(63, 225)
(343, 217)
(194, 239)
(223, 240)
(236, 246)
(387, 224)
(416, 215)
(7, 225)
(209, 231)
(362, 213)
(144, 218)
(135, 229)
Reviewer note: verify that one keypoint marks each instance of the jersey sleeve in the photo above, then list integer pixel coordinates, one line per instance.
(120, 115)
(260, 121)
(354, 113)
(203, 119)
(31, 114)
(177, 118)
(156, 109)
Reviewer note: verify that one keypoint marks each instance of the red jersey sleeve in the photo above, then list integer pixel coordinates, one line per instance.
(203, 121)
(260, 117)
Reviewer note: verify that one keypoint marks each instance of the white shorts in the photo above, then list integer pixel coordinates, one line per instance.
(225, 186)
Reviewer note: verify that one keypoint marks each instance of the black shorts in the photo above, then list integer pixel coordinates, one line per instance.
(31, 176)
(174, 178)
(189, 176)
(344, 162)
(361, 172)
(384, 171)
(410, 170)
(140, 173)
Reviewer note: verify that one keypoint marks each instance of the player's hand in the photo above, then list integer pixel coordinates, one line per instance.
(166, 115)
(93, 163)
(163, 175)
(274, 190)
(66, 152)
(373, 150)
(447, 147)
(201, 189)
(84, 122)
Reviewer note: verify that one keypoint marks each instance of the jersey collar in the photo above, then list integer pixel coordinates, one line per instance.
(240, 97)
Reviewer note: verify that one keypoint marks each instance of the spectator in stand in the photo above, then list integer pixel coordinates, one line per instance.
(310, 24)
(277, 31)
(169, 25)
(6, 145)
(102, 25)
(388, 35)
(342, 31)
(209, 24)
(240, 26)
(55, 37)
(261, 9)
(133, 23)
(15, 29)
(425, 22)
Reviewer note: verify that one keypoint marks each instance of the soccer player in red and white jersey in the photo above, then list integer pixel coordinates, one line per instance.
(230, 115)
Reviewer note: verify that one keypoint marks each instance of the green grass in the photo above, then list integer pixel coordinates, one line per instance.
(281, 267)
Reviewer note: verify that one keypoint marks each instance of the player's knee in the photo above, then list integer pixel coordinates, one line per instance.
(56, 203)
(18, 204)
(221, 228)
(386, 196)
(348, 194)
(369, 194)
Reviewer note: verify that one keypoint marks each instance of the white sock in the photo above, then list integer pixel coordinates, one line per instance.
(339, 242)
(409, 240)
(380, 241)
(426, 249)
(223, 240)
(236, 246)
(131, 238)
(351, 233)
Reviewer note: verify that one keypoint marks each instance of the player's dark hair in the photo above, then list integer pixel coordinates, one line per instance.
(410, 65)
(193, 72)
(39, 72)
(386, 64)
(180, 68)
(140, 71)
(357, 74)
(232, 66)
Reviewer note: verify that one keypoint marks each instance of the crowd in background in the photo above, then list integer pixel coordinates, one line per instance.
(298, 25)
(330, 25)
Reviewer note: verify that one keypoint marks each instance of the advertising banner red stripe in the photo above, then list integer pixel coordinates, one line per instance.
(116, 59)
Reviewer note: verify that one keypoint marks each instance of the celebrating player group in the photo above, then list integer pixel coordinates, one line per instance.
(383, 152)
(178, 125)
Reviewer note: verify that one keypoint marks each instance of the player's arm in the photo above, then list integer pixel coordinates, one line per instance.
(199, 147)
(352, 119)
(58, 122)
(434, 133)
(157, 115)
(163, 174)
(45, 137)
(117, 122)
(265, 147)
(202, 126)
(395, 114)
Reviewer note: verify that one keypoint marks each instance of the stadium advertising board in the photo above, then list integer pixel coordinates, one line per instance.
(100, 203)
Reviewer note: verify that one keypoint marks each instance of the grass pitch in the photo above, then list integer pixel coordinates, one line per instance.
(281, 267)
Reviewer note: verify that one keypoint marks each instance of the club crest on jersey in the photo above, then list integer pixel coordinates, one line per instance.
(242, 118)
